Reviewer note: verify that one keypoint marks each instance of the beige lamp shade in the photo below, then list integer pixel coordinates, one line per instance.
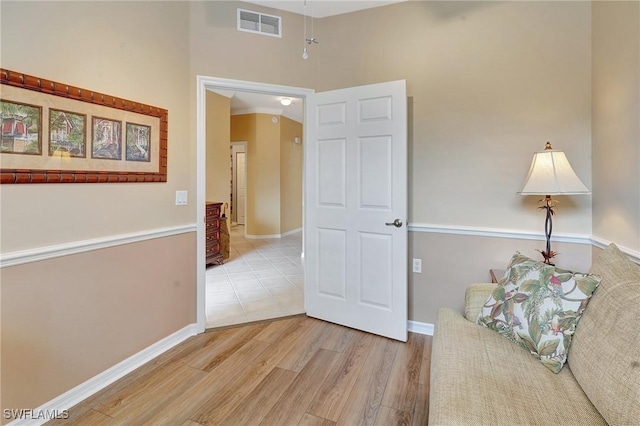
(551, 174)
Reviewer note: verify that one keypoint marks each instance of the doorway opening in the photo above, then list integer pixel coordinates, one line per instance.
(262, 257)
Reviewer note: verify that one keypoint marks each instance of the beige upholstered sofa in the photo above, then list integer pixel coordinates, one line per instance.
(479, 377)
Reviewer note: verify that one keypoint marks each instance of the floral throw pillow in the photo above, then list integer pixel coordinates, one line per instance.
(538, 306)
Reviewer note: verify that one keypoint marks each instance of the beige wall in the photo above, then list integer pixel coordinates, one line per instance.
(141, 60)
(67, 319)
(616, 122)
(218, 150)
(219, 50)
(451, 262)
(274, 172)
(263, 178)
(489, 83)
(291, 160)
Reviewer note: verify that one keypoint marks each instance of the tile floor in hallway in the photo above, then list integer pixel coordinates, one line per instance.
(261, 279)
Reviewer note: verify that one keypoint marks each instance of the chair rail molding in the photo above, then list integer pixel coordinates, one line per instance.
(592, 240)
(65, 249)
(601, 243)
(496, 232)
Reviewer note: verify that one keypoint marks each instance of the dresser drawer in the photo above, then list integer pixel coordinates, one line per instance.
(213, 249)
(213, 210)
(213, 237)
(213, 224)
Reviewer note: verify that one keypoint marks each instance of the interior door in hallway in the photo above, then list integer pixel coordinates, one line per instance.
(241, 158)
(356, 197)
(239, 198)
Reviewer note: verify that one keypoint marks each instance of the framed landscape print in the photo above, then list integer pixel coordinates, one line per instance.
(67, 133)
(21, 125)
(89, 137)
(106, 139)
(138, 142)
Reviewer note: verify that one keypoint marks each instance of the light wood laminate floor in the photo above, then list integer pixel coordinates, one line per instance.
(292, 371)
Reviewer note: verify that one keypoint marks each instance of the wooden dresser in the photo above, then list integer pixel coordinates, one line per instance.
(212, 225)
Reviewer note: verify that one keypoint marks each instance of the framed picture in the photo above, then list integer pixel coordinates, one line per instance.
(106, 138)
(67, 133)
(21, 128)
(92, 137)
(138, 142)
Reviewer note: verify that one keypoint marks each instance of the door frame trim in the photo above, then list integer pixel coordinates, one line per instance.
(204, 83)
(234, 177)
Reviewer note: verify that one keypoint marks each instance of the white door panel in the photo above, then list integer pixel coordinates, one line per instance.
(332, 183)
(374, 178)
(356, 182)
(332, 275)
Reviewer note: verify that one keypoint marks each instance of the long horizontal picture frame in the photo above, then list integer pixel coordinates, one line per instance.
(57, 133)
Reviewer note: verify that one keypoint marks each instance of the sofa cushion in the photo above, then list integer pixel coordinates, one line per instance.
(538, 306)
(474, 298)
(480, 378)
(605, 353)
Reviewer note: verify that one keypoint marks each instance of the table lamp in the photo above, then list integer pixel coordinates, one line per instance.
(551, 174)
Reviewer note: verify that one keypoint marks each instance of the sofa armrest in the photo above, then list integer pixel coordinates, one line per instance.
(474, 298)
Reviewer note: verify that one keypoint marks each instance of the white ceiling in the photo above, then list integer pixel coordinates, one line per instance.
(323, 8)
(249, 103)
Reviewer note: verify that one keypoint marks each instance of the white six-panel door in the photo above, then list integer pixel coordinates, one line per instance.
(356, 187)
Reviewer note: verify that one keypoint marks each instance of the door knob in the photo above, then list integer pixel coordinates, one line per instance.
(397, 223)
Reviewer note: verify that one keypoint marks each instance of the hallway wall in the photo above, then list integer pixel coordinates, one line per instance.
(291, 165)
(274, 172)
(218, 135)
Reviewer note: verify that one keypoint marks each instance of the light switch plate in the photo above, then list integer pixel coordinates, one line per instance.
(181, 198)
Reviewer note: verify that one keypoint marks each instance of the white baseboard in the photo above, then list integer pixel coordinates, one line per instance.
(262, 237)
(267, 237)
(420, 327)
(292, 232)
(104, 379)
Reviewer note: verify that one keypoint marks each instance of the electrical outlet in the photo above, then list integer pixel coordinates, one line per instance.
(417, 266)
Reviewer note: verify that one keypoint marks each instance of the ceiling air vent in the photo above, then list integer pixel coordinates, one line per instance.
(254, 22)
